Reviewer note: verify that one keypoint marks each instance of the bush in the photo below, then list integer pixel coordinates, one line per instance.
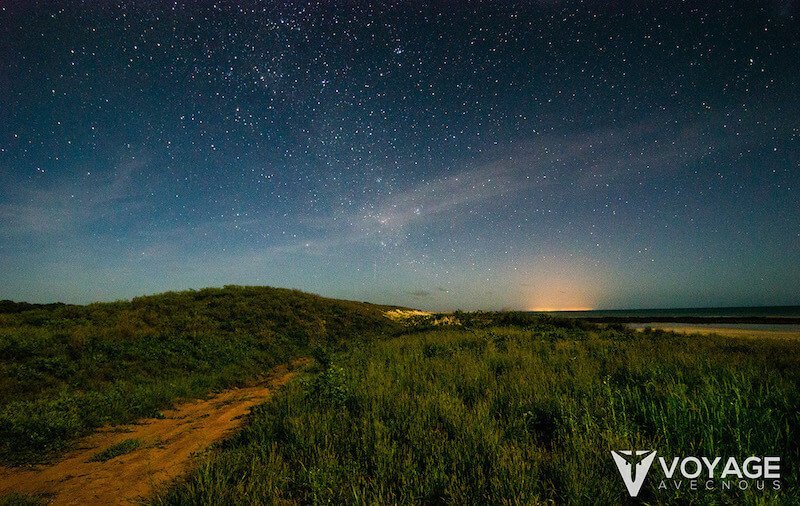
(329, 387)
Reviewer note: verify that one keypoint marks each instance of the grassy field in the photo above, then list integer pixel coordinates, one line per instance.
(65, 370)
(501, 408)
(510, 409)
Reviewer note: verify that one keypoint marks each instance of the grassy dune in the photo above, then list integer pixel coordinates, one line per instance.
(65, 370)
(519, 413)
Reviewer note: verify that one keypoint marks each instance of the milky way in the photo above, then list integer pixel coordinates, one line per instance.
(438, 155)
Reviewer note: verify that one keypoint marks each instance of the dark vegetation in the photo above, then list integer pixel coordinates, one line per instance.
(11, 307)
(118, 449)
(511, 409)
(23, 500)
(65, 370)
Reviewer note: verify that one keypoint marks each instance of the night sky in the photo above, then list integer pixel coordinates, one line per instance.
(549, 154)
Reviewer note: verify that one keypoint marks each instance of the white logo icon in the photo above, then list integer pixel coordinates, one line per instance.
(633, 466)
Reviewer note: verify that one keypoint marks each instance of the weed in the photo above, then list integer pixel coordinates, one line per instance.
(116, 450)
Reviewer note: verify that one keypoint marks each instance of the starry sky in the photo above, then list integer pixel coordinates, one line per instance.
(441, 155)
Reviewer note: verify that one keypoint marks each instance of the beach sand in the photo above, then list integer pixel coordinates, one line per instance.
(791, 331)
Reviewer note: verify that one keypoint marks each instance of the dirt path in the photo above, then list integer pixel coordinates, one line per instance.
(166, 449)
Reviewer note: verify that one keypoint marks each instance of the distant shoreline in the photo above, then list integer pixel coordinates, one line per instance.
(743, 330)
(732, 320)
(757, 315)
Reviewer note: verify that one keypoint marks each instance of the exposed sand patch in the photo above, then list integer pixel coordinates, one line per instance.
(404, 314)
(412, 316)
(165, 452)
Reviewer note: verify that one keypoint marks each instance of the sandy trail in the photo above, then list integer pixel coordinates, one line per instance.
(166, 450)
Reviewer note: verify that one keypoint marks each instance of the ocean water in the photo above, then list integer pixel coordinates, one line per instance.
(716, 312)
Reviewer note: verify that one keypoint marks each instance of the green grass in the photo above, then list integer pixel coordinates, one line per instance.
(116, 450)
(65, 370)
(519, 414)
(15, 499)
(503, 408)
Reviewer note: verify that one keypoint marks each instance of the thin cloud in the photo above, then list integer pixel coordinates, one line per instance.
(550, 164)
(64, 208)
(559, 163)
(445, 195)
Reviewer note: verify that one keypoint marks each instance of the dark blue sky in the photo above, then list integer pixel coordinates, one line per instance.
(439, 155)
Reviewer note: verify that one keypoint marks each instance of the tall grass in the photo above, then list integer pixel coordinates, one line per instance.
(510, 415)
(65, 370)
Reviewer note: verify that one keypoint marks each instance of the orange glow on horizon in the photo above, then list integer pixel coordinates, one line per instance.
(549, 309)
(561, 284)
